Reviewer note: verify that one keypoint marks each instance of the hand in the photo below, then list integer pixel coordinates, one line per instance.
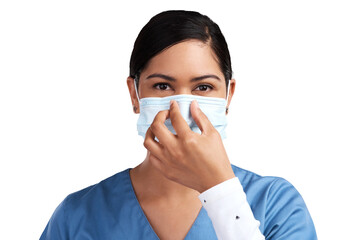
(197, 161)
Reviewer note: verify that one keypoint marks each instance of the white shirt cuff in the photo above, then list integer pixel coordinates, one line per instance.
(229, 211)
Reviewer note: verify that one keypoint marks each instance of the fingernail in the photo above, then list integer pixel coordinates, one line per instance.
(171, 102)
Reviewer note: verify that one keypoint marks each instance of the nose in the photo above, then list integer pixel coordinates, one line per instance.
(183, 90)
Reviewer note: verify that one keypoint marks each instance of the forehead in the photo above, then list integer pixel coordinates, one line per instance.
(186, 59)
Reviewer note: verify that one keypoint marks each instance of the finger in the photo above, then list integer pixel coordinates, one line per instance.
(159, 129)
(180, 125)
(200, 118)
(152, 145)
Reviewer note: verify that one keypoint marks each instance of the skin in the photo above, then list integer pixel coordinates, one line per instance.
(179, 167)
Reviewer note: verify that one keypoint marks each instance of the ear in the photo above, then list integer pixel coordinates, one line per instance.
(134, 100)
(231, 92)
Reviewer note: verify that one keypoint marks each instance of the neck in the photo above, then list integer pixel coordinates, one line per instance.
(150, 183)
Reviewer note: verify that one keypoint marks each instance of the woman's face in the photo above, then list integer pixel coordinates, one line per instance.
(189, 67)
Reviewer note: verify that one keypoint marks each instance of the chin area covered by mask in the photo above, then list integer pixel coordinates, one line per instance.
(214, 108)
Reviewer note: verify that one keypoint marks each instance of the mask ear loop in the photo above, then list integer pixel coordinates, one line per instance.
(228, 90)
(227, 96)
(136, 90)
(137, 95)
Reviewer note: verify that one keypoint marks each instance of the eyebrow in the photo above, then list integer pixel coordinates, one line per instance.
(169, 78)
(159, 75)
(204, 77)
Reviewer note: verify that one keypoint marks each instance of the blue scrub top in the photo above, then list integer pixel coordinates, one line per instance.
(110, 210)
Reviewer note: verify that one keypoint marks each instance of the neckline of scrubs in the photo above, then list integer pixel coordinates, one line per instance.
(200, 220)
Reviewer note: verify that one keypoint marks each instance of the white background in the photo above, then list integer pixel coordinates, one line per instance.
(66, 119)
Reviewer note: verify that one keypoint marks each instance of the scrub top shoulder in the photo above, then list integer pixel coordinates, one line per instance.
(110, 210)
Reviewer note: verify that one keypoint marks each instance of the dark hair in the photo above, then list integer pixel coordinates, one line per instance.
(170, 27)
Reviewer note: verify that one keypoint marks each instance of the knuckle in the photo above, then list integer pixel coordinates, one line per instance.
(177, 153)
(190, 140)
(146, 143)
(155, 126)
(214, 133)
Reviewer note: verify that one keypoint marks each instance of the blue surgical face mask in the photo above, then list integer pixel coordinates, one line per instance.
(214, 108)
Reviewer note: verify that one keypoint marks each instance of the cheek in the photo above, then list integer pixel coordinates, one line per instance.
(220, 90)
(220, 93)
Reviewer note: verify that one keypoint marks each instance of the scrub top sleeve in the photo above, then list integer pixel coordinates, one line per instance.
(287, 216)
(230, 212)
(56, 228)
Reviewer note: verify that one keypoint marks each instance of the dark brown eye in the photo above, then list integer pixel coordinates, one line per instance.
(161, 86)
(204, 88)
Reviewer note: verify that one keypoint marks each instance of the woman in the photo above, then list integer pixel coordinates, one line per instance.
(181, 85)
